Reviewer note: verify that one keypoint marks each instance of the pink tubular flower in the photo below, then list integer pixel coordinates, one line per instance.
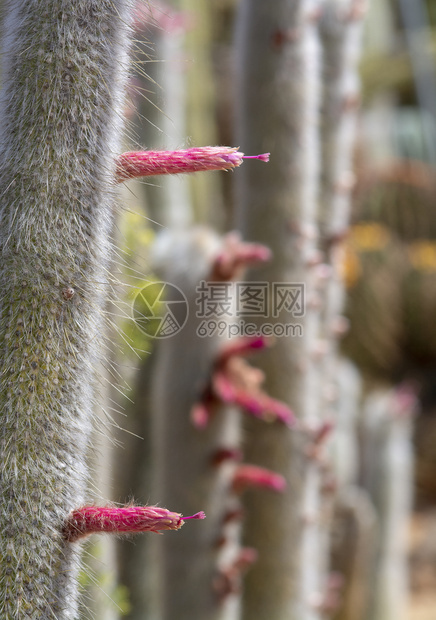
(125, 520)
(235, 382)
(235, 256)
(243, 346)
(200, 413)
(151, 163)
(247, 476)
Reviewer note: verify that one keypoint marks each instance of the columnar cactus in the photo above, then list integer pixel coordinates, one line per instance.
(278, 94)
(387, 474)
(183, 454)
(196, 439)
(63, 79)
(341, 29)
(299, 206)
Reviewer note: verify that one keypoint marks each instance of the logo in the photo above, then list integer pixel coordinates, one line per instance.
(160, 310)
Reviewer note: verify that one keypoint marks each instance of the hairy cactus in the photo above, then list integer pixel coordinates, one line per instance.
(64, 66)
(341, 29)
(182, 452)
(64, 72)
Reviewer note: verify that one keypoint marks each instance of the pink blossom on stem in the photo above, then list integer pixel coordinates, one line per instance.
(151, 163)
(125, 520)
(238, 383)
(224, 388)
(234, 514)
(318, 436)
(247, 556)
(235, 256)
(242, 346)
(235, 382)
(323, 432)
(247, 476)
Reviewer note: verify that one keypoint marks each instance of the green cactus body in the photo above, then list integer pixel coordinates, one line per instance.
(63, 74)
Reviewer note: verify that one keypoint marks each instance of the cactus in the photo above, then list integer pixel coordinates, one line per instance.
(387, 475)
(64, 71)
(196, 439)
(340, 29)
(64, 74)
(278, 95)
(299, 206)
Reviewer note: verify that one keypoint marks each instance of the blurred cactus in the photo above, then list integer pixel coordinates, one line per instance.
(280, 207)
(277, 206)
(387, 471)
(390, 269)
(196, 439)
(375, 265)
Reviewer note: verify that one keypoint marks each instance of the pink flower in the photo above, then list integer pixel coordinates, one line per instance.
(235, 382)
(243, 346)
(247, 476)
(125, 520)
(150, 163)
(236, 256)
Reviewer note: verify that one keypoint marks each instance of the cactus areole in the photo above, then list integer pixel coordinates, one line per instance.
(64, 65)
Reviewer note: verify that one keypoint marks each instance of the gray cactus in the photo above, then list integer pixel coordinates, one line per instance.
(183, 453)
(63, 78)
(277, 205)
(289, 96)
